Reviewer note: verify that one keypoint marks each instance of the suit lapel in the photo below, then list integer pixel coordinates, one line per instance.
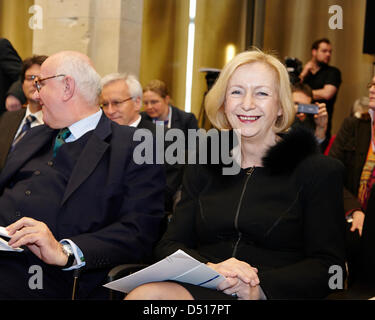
(9, 125)
(90, 156)
(29, 145)
(175, 120)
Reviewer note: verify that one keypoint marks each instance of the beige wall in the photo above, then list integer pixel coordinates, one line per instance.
(150, 37)
(14, 25)
(292, 25)
(164, 45)
(219, 23)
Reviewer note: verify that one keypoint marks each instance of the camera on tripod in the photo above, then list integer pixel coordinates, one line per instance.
(294, 68)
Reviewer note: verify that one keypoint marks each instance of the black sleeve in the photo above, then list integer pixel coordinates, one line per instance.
(324, 237)
(333, 77)
(181, 232)
(17, 91)
(343, 143)
(10, 61)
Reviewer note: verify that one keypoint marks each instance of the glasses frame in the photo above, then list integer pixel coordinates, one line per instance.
(370, 84)
(39, 81)
(116, 104)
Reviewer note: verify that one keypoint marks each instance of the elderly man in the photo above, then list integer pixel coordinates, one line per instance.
(14, 124)
(121, 100)
(71, 194)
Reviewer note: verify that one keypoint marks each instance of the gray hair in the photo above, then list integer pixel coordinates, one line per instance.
(135, 88)
(87, 80)
(360, 107)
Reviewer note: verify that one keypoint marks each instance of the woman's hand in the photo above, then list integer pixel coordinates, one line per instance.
(233, 268)
(242, 290)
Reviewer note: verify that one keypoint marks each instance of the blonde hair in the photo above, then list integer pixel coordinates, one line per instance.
(215, 98)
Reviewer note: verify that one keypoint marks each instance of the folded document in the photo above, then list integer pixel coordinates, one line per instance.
(4, 246)
(179, 266)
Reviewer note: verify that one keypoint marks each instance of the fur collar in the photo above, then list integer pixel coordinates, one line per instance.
(295, 145)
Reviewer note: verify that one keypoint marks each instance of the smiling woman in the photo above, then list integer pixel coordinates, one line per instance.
(259, 227)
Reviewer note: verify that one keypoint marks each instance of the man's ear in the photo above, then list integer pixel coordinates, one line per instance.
(69, 87)
(167, 99)
(313, 52)
(138, 104)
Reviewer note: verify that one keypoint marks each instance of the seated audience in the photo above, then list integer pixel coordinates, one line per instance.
(317, 123)
(15, 124)
(158, 109)
(274, 229)
(121, 101)
(354, 146)
(71, 195)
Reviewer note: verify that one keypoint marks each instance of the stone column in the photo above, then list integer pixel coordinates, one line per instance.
(108, 31)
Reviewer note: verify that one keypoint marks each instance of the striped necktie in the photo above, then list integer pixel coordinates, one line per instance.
(27, 125)
(60, 139)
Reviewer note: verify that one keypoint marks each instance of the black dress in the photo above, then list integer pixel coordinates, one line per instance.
(285, 218)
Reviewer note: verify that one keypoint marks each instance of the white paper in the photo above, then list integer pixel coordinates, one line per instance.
(178, 266)
(4, 244)
(4, 232)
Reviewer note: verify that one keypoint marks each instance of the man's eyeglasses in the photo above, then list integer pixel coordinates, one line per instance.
(114, 104)
(38, 83)
(370, 84)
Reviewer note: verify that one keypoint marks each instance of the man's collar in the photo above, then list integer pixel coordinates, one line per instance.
(79, 128)
(136, 122)
(38, 115)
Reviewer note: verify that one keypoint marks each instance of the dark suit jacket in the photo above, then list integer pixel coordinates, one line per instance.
(9, 124)
(146, 124)
(270, 217)
(180, 119)
(184, 121)
(351, 146)
(111, 208)
(10, 68)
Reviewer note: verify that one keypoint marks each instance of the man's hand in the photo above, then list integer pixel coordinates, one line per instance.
(12, 103)
(233, 268)
(310, 67)
(38, 238)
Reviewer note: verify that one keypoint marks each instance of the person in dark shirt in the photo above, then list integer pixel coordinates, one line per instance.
(324, 79)
(10, 68)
